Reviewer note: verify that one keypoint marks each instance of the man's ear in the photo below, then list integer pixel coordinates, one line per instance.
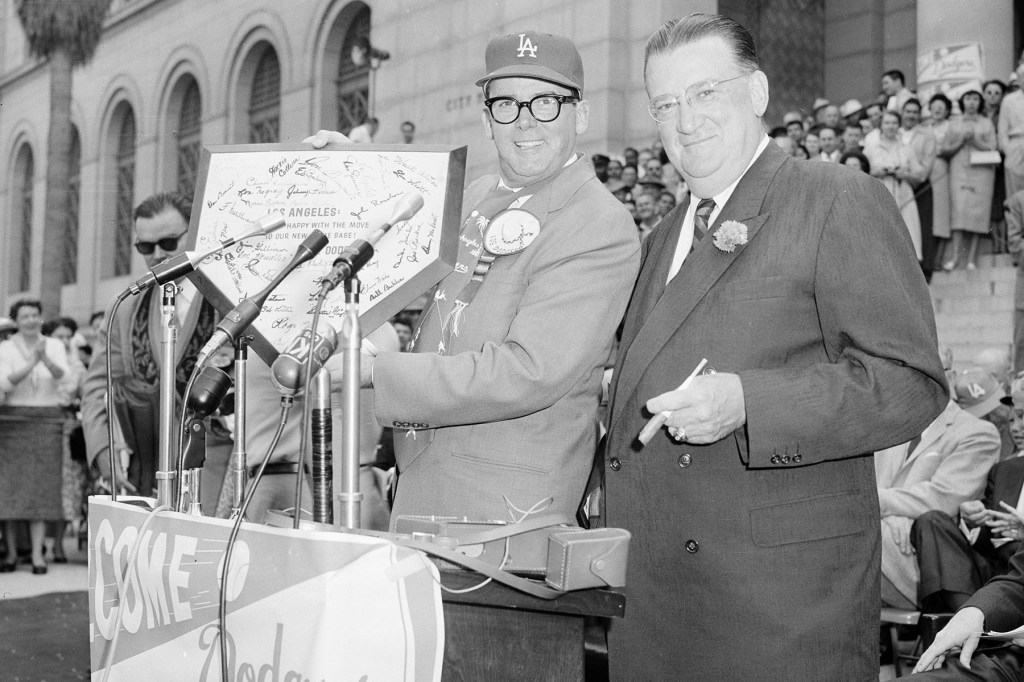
(759, 92)
(485, 116)
(582, 116)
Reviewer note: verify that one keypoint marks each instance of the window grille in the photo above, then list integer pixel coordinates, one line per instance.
(353, 80)
(265, 100)
(125, 164)
(189, 140)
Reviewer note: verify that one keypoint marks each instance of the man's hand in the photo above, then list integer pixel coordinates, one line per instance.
(323, 138)
(973, 512)
(964, 631)
(366, 369)
(708, 410)
(103, 465)
(899, 528)
(1005, 525)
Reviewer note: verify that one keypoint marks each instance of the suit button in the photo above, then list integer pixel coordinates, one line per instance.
(685, 460)
(615, 464)
(785, 459)
(796, 459)
(692, 546)
(775, 459)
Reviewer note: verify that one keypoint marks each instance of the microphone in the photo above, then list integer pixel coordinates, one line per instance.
(356, 254)
(323, 449)
(208, 390)
(184, 263)
(248, 309)
(289, 369)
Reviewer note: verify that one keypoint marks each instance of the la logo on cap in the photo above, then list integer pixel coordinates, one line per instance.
(975, 390)
(525, 45)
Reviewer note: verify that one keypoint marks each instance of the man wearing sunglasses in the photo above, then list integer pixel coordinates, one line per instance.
(495, 410)
(161, 227)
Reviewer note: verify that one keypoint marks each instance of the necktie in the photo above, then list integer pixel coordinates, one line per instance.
(700, 221)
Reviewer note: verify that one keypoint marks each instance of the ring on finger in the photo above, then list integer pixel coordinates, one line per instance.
(678, 433)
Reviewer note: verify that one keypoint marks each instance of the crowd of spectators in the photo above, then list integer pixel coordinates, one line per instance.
(43, 477)
(950, 165)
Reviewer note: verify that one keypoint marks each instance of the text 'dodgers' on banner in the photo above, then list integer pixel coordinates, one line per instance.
(307, 605)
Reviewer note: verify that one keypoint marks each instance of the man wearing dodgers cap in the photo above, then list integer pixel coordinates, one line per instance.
(496, 408)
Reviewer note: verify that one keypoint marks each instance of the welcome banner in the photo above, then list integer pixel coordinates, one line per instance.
(301, 605)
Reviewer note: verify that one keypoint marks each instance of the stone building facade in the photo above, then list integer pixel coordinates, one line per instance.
(171, 76)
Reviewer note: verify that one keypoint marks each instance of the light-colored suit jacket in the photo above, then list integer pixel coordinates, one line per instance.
(511, 410)
(825, 316)
(947, 467)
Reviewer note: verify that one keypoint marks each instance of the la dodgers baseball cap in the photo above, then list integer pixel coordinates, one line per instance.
(530, 54)
(977, 391)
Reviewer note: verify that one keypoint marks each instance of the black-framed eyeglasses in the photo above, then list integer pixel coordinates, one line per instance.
(544, 108)
(166, 244)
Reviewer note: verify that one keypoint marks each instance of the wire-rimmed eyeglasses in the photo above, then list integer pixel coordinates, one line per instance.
(699, 96)
(544, 108)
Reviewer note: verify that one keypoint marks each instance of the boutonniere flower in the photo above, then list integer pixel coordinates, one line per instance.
(729, 235)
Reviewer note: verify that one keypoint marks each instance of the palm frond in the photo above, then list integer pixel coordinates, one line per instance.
(75, 26)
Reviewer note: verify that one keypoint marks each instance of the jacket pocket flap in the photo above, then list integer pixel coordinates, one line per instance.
(815, 518)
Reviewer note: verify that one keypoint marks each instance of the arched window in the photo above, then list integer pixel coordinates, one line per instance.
(265, 99)
(70, 261)
(190, 127)
(353, 80)
(125, 165)
(21, 221)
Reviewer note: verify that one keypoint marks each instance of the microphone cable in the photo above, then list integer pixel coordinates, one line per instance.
(307, 415)
(222, 605)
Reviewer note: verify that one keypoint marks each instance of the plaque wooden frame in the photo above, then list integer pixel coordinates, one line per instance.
(346, 191)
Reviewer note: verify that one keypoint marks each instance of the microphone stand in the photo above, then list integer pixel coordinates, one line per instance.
(165, 475)
(347, 505)
(238, 471)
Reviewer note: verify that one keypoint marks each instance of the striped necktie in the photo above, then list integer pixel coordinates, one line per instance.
(700, 221)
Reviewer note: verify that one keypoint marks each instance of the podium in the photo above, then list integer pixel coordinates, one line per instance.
(498, 634)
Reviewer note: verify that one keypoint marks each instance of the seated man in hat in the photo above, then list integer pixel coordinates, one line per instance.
(957, 556)
(938, 471)
(495, 410)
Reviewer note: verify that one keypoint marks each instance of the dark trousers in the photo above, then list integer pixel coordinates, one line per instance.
(1003, 665)
(1018, 334)
(929, 245)
(947, 560)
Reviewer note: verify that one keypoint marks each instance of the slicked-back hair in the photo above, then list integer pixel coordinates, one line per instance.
(158, 203)
(677, 32)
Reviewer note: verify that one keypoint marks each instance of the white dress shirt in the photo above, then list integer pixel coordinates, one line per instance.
(686, 232)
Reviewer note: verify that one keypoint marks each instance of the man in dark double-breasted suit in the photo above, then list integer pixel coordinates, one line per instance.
(755, 519)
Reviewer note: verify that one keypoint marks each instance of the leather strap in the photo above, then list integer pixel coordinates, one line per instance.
(508, 530)
(504, 577)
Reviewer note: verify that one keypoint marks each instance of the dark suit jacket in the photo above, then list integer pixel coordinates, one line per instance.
(1005, 480)
(1002, 598)
(757, 557)
(136, 398)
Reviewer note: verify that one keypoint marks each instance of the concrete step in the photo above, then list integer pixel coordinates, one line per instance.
(972, 304)
(974, 308)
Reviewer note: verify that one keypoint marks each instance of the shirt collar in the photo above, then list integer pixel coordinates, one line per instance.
(722, 197)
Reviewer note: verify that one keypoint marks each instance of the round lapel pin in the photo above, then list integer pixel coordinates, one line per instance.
(510, 232)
